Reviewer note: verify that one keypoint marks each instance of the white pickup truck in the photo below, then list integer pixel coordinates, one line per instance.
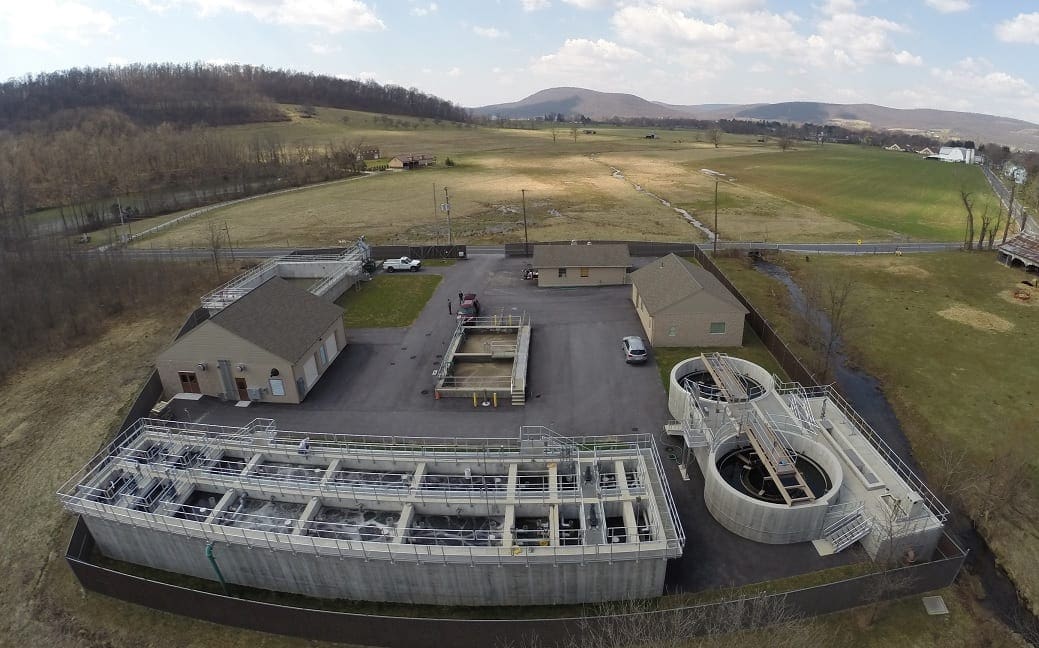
(403, 264)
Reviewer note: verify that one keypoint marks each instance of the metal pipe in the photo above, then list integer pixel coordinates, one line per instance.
(216, 568)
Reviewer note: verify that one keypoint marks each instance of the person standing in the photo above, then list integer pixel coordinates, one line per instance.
(460, 296)
(449, 306)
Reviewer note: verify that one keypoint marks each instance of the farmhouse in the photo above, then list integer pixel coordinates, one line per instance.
(682, 305)
(369, 153)
(271, 345)
(894, 147)
(412, 160)
(926, 151)
(581, 265)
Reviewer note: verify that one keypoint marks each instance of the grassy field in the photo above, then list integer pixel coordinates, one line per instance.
(387, 300)
(572, 191)
(951, 345)
(897, 193)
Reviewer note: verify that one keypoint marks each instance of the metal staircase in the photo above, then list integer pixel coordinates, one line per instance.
(849, 528)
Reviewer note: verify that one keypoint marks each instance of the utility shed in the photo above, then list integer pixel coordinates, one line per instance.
(682, 305)
(271, 345)
(581, 265)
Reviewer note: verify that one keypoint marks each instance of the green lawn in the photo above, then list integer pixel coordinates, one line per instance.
(897, 193)
(387, 300)
(952, 348)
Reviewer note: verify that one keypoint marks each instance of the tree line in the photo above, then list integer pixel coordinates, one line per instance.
(198, 93)
(108, 169)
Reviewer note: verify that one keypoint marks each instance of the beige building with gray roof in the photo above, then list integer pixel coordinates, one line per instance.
(581, 265)
(682, 305)
(272, 345)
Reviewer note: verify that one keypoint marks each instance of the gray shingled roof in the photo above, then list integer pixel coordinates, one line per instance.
(280, 318)
(606, 255)
(671, 280)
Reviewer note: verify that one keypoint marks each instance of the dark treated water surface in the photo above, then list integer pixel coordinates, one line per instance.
(866, 395)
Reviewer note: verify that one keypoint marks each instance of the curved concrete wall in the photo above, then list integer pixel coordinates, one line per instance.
(763, 521)
(677, 399)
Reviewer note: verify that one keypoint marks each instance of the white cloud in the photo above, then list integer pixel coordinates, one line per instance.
(589, 4)
(1022, 28)
(42, 24)
(491, 33)
(535, 5)
(322, 49)
(454, 72)
(116, 60)
(905, 58)
(582, 55)
(333, 16)
(948, 6)
(424, 11)
(713, 7)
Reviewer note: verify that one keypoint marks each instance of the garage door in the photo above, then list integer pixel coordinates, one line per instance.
(310, 372)
(330, 347)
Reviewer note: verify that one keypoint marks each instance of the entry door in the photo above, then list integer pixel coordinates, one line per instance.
(310, 371)
(243, 391)
(189, 382)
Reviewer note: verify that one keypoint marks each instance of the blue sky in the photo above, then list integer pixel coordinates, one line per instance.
(974, 55)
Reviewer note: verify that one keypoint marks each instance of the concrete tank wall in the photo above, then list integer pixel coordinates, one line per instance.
(429, 583)
(677, 396)
(764, 521)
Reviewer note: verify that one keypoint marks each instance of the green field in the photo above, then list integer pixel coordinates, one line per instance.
(830, 193)
(898, 193)
(387, 300)
(951, 345)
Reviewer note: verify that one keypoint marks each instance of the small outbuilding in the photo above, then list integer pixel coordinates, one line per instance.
(412, 160)
(581, 265)
(682, 305)
(272, 345)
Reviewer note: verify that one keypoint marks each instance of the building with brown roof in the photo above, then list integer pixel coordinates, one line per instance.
(412, 160)
(272, 345)
(603, 264)
(682, 305)
(1021, 250)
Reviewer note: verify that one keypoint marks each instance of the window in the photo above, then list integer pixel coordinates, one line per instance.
(672, 331)
(584, 272)
(717, 328)
(277, 387)
(562, 272)
(322, 355)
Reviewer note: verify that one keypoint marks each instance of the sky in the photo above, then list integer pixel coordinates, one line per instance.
(971, 55)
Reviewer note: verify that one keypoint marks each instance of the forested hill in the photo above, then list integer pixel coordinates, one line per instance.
(198, 93)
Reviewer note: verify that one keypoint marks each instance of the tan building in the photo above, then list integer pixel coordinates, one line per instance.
(271, 345)
(581, 265)
(682, 305)
(412, 160)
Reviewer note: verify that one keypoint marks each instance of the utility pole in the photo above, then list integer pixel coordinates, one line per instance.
(447, 208)
(716, 217)
(436, 225)
(1010, 212)
(526, 241)
(230, 246)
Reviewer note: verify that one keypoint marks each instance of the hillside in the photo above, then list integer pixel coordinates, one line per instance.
(941, 124)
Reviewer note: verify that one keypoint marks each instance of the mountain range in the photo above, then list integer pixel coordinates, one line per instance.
(941, 124)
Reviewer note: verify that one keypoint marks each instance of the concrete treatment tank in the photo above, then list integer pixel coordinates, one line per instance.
(766, 477)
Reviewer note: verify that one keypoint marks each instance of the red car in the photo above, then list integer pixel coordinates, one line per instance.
(469, 309)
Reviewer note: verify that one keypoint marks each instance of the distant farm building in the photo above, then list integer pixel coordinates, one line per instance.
(581, 265)
(926, 151)
(412, 160)
(369, 153)
(894, 147)
(1022, 250)
(271, 345)
(682, 305)
(1014, 172)
(954, 154)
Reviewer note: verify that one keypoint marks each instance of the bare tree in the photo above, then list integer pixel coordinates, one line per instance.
(994, 228)
(714, 136)
(573, 133)
(216, 242)
(554, 129)
(830, 312)
(968, 204)
(785, 143)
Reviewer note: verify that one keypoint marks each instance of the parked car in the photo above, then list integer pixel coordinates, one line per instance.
(529, 273)
(634, 350)
(469, 309)
(403, 264)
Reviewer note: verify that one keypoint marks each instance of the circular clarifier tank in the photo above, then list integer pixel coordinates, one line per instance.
(744, 470)
(692, 377)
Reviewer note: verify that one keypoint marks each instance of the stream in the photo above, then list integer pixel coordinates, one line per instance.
(689, 218)
(866, 395)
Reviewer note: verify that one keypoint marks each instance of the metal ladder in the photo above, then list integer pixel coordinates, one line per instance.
(849, 529)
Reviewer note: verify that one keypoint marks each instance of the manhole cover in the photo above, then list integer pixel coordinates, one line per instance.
(935, 605)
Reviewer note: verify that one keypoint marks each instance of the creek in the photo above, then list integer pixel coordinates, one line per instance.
(866, 395)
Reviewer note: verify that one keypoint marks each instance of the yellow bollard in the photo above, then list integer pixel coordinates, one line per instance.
(494, 396)
(474, 399)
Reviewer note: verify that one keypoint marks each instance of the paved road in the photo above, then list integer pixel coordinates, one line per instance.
(1030, 224)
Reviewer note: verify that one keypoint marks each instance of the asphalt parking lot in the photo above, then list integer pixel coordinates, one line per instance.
(578, 383)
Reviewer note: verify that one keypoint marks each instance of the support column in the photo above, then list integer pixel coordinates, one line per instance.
(510, 522)
(252, 463)
(553, 482)
(553, 525)
(313, 506)
(330, 472)
(510, 490)
(631, 529)
(404, 522)
(221, 506)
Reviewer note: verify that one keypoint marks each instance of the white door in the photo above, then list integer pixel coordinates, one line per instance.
(330, 347)
(310, 372)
